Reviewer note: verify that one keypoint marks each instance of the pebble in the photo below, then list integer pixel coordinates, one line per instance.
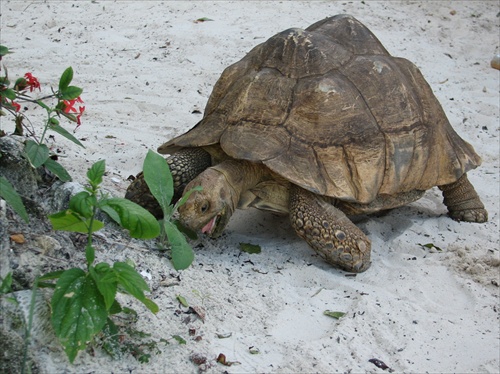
(146, 275)
(495, 62)
(169, 282)
(47, 244)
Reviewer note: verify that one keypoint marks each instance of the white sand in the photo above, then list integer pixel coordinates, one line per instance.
(145, 66)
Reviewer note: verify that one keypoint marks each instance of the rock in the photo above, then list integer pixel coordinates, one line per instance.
(12, 352)
(47, 244)
(15, 309)
(495, 62)
(58, 196)
(4, 240)
(16, 168)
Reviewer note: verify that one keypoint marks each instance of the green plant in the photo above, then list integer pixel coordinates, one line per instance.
(66, 97)
(159, 180)
(6, 293)
(11, 196)
(35, 149)
(83, 300)
(6, 284)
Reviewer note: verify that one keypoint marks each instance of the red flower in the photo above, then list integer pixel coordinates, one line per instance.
(16, 106)
(32, 81)
(69, 105)
(81, 110)
(69, 108)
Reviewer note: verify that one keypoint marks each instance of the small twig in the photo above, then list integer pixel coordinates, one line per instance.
(30, 4)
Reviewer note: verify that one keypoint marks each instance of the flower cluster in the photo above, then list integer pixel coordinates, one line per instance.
(32, 82)
(69, 108)
(60, 103)
(7, 97)
(22, 84)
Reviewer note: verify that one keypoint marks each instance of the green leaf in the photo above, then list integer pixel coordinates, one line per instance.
(62, 131)
(83, 203)
(46, 285)
(115, 308)
(10, 195)
(78, 311)
(66, 78)
(185, 196)
(9, 94)
(51, 275)
(6, 286)
(158, 178)
(70, 93)
(185, 230)
(151, 305)
(96, 172)
(43, 105)
(182, 253)
(140, 223)
(111, 344)
(430, 246)
(37, 153)
(134, 284)
(179, 339)
(113, 214)
(250, 248)
(4, 82)
(56, 168)
(332, 314)
(70, 221)
(182, 300)
(132, 314)
(4, 50)
(20, 83)
(106, 281)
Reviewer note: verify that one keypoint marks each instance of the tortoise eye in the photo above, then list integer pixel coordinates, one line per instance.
(204, 207)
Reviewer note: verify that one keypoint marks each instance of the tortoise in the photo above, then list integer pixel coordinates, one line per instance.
(320, 124)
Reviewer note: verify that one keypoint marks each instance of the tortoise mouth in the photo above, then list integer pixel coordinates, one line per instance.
(211, 225)
(216, 224)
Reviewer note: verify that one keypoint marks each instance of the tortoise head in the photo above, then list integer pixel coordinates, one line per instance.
(210, 209)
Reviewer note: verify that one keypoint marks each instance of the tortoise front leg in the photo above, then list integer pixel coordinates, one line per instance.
(185, 165)
(463, 202)
(328, 231)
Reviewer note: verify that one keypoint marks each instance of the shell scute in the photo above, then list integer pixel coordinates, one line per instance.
(330, 110)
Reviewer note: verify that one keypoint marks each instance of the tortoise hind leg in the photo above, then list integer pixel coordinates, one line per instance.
(328, 231)
(185, 165)
(463, 202)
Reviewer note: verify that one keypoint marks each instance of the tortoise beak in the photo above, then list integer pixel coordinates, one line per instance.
(216, 225)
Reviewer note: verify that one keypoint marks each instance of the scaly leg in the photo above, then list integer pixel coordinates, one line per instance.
(328, 231)
(463, 202)
(184, 165)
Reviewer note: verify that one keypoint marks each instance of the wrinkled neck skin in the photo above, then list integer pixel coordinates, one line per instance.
(240, 176)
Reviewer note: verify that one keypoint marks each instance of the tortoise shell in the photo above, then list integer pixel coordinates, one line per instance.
(331, 111)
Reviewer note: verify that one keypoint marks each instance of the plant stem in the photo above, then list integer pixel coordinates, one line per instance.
(45, 127)
(26, 98)
(90, 248)
(30, 325)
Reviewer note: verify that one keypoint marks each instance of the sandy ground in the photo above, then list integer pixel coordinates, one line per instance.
(146, 68)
